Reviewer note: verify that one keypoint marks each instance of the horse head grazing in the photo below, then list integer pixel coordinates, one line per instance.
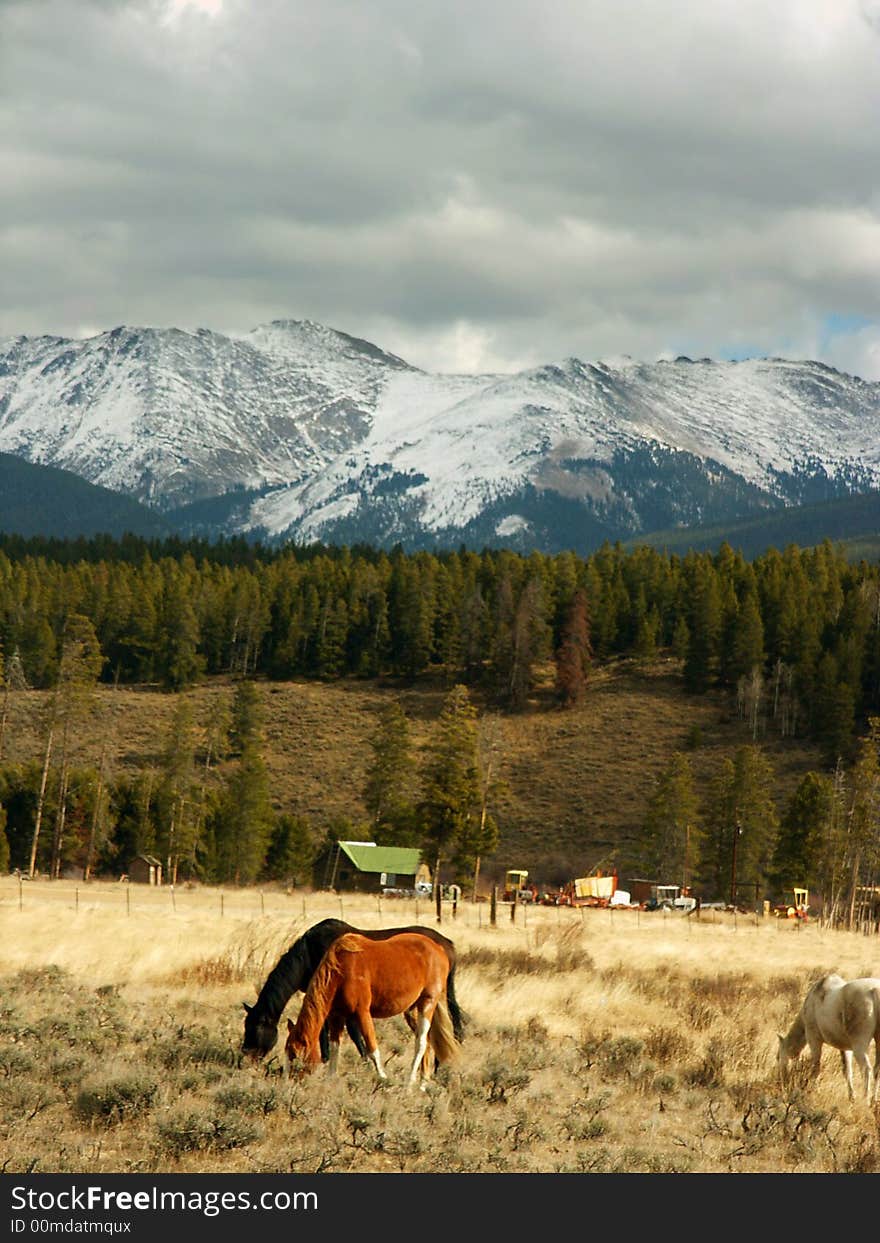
(291, 973)
(260, 1033)
(300, 1056)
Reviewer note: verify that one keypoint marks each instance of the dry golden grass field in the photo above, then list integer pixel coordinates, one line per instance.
(596, 1041)
(575, 783)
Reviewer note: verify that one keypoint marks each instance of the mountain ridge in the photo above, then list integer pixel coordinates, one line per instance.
(318, 435)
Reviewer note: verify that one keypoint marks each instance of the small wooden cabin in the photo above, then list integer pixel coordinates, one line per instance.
(145, 870)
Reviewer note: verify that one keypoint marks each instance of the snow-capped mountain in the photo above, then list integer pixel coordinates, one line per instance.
(170, 416)
(342, 441)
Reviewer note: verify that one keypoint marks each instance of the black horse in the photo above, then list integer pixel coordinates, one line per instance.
(294, 970)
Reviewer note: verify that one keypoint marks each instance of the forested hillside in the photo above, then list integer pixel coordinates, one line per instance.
(229, 707)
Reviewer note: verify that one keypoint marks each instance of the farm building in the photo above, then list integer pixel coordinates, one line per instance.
(369, 868)
(145, 870)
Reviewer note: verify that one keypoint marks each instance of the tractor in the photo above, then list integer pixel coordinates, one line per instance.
(798, 908)
(515, 888)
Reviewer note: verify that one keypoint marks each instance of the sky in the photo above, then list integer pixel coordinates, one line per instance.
(475, 185)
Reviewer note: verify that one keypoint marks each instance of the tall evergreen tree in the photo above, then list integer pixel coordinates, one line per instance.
(180, 663)
(742, 823)
(450, 799)
(244, 820)
(672, 833)
(80, 664)
(574, 653)
(704, 626)
(803, 831)
(246, 726)
(389, 782)
(291, 851)
(177, 794)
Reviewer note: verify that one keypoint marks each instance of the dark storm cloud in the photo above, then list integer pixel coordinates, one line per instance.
(471, 184)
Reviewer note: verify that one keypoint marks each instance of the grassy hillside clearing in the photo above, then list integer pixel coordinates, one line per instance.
(576, 782)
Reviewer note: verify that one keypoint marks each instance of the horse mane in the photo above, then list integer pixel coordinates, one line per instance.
(294, 969)
(318, 999)
(350, 943)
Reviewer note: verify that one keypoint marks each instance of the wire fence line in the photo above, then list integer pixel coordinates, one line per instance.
(168, 901)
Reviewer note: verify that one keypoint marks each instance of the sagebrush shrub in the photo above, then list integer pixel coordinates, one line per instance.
(114, 1099)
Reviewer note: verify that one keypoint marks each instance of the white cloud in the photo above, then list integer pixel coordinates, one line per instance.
(474, 186)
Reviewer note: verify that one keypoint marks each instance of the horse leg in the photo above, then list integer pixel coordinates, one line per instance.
(864, 1064)
(412, 1022)
(422, 1026)
(815, 1057)
(846, 1060)
(324, 1042)
(353, 1028)
(333, 1028)
(372, 1046)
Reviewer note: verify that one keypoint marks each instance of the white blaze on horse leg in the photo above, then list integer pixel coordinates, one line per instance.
(422, 1027)
(846, 1059)
(377, 1062)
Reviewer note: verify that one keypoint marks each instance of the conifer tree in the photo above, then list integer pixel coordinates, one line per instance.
(742, 822)
(747, 651)
(179, 661)
(291, 851)
(862, 835)
(244, 820)
(177, 792)
(246, 726)
(80, 663)
(332, 636)
(704, 626)
(574, 653)
(389, 784)
(450, 799)
(803, 831)
(672, 834)
(521, 639)
(681, 637)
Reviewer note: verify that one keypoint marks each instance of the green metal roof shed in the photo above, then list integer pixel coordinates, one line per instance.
(365, 865)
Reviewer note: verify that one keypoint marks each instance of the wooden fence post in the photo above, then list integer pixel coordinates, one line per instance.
(493, 906)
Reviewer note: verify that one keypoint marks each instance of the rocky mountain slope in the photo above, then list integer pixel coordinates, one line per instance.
(311, 434)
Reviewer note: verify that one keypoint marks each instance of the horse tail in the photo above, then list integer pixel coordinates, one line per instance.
(455, 1013)
(441, 1036)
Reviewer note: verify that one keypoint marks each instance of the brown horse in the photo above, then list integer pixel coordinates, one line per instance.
(406, 975)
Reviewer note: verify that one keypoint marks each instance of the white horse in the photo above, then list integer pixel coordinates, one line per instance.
(846, 1015)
